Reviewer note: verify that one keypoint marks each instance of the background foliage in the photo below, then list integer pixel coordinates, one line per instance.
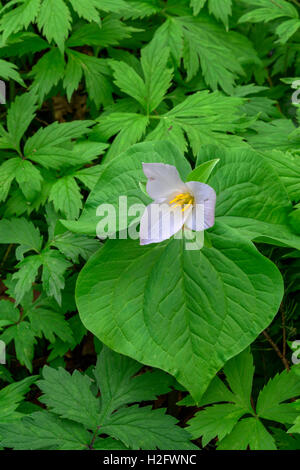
(207, 79)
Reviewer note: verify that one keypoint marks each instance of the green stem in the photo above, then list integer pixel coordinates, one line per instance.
(94, 438)
(9, 248)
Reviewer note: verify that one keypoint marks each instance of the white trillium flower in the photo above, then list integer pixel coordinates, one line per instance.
(175, 204)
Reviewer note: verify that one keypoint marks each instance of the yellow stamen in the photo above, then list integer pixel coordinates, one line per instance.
(178, 197)
(191, 200)
(184, 200)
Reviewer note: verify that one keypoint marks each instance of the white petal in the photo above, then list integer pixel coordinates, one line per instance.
(163, 181)
(160, 222)
(202, 216)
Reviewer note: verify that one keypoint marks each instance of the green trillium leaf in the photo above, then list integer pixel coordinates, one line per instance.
(202, 172)
(250, 196)
(186, 312)
(294, 219)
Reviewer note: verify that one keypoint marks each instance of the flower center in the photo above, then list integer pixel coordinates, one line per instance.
(184, 200)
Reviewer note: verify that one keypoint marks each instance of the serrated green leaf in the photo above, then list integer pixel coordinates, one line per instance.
(26, 275)
(70, 396)
(54, 21)
(9, 313)
(144, 428)
(7, 175)
(239, 374)
(19, 116)
(42, 430)
(286, 29)
(111, 32)
(72, 246)
(49, 146)
(150, 90)
(20, 231)
(47, 72)
(248, 432)
(217, 420)
(206, 43)
(116, 6)
(8, 71)
(285, 441)
(28, 178)
(197, 5)
(19, 17)
(296, 428)
(220, 420)
(216, 392)
(94, 71)
(205, 118)
(89, 176)
(140, 8)
(287, 167)
(221, 9)
(119, 383)
(23, 43)
(10, 398)
(130, 128)
(157, 75)
(279, 389)
(87, 9)
(24, 340)
(66, 197)
(72, 75)
(268, 11)
(108, 443)
(170, 34)
(277, 134)
(47, 323)
(126, 78)
(54, 268)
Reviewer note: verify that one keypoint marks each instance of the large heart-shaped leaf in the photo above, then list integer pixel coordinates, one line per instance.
(250, 195)
(186, 312)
